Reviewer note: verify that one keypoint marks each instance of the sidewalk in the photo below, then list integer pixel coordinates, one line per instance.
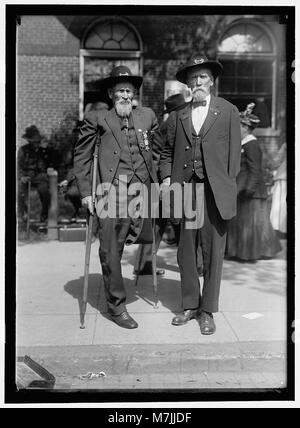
(248, 349)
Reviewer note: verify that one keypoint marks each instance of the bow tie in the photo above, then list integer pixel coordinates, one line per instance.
(199, 104)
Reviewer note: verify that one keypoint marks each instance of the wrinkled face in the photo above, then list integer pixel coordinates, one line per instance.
(200, 81)
(121, 95)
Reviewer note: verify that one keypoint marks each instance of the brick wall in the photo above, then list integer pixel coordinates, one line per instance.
(47, 87)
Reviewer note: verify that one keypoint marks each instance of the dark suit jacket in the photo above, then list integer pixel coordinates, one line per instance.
(108, 125)
(250, 180)
(221, 145)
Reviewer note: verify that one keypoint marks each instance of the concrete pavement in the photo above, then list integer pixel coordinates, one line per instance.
(248, 349)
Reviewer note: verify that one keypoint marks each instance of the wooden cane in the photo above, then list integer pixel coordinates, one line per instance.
(89, 236)
(154, 273)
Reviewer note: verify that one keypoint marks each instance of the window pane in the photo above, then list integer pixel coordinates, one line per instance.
(262, 68)
(119, 31)
(263, 85)
(244, 68)
(111, 44)
(244, 85)
(94, 41)
(228, 68)
(129, 42)
(226, 85)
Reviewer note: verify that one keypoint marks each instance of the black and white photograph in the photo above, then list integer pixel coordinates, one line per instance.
(149, 206)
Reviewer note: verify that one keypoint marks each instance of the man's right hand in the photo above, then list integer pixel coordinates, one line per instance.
(87, 202)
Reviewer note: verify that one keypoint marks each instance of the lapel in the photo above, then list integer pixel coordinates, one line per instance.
(185, 116)
(113, 122)
(213, 113)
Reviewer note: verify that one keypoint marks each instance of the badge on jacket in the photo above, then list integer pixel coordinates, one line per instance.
(147, 137)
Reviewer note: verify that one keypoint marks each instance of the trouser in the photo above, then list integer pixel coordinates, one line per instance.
(113, 233)
(40, 183)
(144, 252)
(212, 239)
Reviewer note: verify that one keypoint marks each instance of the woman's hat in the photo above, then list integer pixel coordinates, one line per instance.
(32, 134)
(248, 118)
(174, 102)
(119, 74)
(199, 61)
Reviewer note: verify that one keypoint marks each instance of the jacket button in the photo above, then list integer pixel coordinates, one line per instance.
(185, 165)
(110, 169)
(116, 152)
(187, 147)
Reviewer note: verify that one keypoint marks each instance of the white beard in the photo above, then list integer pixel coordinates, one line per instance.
(123, 109)
(199, 95)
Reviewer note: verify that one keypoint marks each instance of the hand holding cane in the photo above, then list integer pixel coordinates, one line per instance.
(89, 234)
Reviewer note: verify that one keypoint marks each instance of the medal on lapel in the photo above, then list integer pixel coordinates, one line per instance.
(145, 143)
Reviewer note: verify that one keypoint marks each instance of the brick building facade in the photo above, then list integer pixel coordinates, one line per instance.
(60, 59)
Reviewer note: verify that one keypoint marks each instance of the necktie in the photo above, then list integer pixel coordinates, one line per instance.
(125, 124)
(199, 104)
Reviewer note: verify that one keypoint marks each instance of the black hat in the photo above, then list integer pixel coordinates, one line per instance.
(249, 119)
(32, 134)
(199, 61)
(174, 102)
(119, 74)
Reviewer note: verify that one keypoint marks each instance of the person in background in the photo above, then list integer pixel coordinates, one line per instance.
(143, 260)
(278, 215)
(34, 160)
(250, 234)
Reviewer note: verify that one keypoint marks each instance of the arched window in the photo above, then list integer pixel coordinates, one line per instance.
(248, 55)
(107, 43)
(113, 35)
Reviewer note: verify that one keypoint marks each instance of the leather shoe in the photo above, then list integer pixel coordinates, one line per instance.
(184, 317)
(124, 320)
(148, 271)
(206, 322)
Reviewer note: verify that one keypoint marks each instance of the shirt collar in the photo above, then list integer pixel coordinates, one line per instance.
(248, 138)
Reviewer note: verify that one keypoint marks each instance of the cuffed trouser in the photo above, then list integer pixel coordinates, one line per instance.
(212, 239)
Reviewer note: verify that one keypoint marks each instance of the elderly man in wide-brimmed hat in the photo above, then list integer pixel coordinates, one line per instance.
(129, 144)
(203, 151)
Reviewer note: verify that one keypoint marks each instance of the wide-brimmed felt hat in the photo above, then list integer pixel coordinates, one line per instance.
(174, 102)
(32, 134)
(199, 61)
(248, 118)
(119, 74)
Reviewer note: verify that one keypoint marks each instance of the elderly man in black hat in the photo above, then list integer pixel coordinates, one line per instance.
(34, 159)
(202, 154)
(129, 145)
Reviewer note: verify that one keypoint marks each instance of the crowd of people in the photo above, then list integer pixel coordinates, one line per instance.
(206, 143)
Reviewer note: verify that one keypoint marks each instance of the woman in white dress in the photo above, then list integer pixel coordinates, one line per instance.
(278, 209)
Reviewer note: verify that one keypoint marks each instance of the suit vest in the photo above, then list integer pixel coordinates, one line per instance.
(131, 160)
(198, 167)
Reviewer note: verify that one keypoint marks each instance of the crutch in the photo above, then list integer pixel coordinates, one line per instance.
(89, 236)
(154, 273)
(141, 255)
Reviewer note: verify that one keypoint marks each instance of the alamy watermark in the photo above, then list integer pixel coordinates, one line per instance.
(138, 200)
